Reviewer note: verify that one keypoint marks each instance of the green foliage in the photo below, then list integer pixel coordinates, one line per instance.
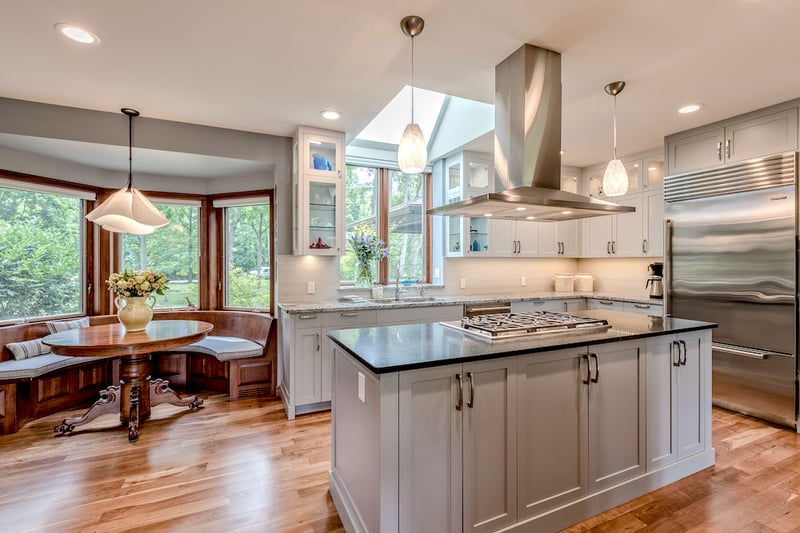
(247, 290)
(40, 254)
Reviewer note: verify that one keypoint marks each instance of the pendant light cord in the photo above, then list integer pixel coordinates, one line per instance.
(130, 152)
(615, 126)
(412, 78)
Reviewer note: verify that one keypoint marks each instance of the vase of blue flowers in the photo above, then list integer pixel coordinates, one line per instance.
(368, 249)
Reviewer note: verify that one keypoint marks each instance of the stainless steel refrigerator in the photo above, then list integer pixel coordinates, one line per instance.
(731, 258)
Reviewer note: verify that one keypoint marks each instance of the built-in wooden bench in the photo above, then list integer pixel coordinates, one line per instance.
(45, 384)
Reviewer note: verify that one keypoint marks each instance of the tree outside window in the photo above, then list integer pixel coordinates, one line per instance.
(41, 254)
(247, 251)
(172, 249)
(392, 204)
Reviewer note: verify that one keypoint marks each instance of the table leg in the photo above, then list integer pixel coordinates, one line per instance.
(109, 402)
(134, 372)
(133, 419)
(161, 393)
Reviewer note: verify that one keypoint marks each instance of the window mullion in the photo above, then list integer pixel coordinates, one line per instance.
(383, 220)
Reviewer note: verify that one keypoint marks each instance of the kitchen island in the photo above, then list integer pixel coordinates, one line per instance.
(434, 430)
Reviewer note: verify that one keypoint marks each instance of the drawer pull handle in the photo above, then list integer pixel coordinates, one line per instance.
(460, 401)
(349, 315)
(307, 317)
(603, 302)
(641, 306)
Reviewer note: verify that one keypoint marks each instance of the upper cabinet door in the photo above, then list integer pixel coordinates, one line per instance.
(322, 155)
(699, 150)
(770, 134)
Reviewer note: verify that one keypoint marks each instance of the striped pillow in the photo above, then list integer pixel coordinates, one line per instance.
(63, 325)
(24, 350)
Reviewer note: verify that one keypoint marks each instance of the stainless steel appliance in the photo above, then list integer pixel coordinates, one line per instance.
(656, 282)
(512, 325)
(731, 258)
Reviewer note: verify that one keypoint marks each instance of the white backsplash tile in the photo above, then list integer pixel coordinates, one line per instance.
(619, 275)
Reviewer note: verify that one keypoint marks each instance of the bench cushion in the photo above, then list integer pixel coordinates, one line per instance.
(63, 325)
(225, 348)
(36, 366)
(26, 349)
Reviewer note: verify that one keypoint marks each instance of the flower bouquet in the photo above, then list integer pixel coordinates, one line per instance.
(367, 249)
(135, 300)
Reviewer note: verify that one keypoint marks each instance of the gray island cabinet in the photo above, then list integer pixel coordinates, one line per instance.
(434, 430)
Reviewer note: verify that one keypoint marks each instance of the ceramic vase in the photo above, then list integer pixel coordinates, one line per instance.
(135, 312)
(363, 275)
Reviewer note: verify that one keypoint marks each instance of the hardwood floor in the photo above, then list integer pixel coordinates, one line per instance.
(241, 466)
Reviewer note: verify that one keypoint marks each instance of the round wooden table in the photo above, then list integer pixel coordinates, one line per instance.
(137, 392)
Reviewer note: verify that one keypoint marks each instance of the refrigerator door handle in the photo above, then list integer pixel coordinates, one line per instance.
(743, 352)
(668, 268)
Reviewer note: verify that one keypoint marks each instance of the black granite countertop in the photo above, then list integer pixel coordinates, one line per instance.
(406, 347)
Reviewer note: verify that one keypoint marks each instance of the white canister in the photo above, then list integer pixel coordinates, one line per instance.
(584, 282)
(564, 282)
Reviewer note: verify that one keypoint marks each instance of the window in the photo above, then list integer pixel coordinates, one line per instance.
(391, 204)
(42, 246)
(246, 237)
(172, 249)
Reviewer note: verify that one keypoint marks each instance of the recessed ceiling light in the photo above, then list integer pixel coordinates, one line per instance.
(691, 108)
(330, 114)
(76, 33)
(566, 212)
(521, 208)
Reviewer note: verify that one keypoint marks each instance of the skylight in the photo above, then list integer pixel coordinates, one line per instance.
(388, 125)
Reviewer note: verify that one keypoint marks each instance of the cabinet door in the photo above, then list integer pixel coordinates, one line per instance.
(502, 242)
(696, 151)
(661, 357)
(324, 216)
(653, 244)
(549, 244)
(307, 366)
(616, 414)
(489, 446)
(765, 135)
(597, 236)
(567, 233)
(429, 450)
(643, 309)
(552, 424)
(691, 415)
(323, 155)
(627, 241)
(608, 305)
(574, 305)
(527, 236)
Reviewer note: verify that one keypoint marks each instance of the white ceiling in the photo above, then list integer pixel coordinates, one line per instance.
(266, 66)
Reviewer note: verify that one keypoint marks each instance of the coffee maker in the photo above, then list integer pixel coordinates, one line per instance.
(655, 280)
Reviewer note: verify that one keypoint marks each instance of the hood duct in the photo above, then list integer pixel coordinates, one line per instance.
(527, 147)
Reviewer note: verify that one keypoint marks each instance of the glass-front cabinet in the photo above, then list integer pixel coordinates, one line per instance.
(467, 174)
(318, 192)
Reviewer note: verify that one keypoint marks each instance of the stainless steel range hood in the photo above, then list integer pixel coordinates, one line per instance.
(527, 147)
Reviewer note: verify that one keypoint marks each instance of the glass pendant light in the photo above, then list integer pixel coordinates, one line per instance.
(615, 179)
(412, 152)
(127, 210)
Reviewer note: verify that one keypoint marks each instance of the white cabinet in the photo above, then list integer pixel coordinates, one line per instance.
(318, 192)
(457, 428)
(595, 439)
(608, 305)
(564, 305)
(509, 238)
(616, 235)
(653, 217)
(558, 239)
(643, 309)
(677, 426)
(467, 174)
(753, 135)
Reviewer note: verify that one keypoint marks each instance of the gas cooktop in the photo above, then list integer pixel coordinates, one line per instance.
(511, 325)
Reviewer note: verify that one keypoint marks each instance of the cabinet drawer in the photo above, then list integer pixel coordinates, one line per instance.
(644, 309)
(355, 318)
(608, 305)
(420, 314)
(307, 320)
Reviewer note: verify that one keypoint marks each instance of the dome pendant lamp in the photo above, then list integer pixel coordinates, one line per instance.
(127, 210)
(615, 179)
(412, 152)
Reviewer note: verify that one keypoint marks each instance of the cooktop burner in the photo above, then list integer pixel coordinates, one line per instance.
(509, 325)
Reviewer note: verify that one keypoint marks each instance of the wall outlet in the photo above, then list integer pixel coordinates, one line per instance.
(522, 281)
(463, 283)
(311, 288)
(362, 386)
